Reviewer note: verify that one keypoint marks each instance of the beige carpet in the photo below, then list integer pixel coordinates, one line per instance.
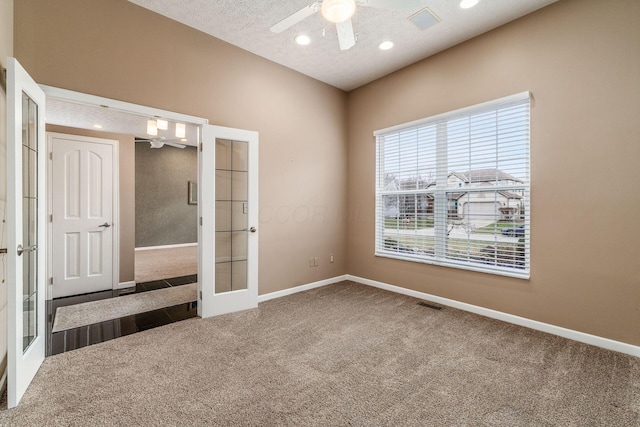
(88, 313)
(156, 264)
(344, 354)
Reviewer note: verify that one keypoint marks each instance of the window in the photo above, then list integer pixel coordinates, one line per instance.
(453, 189)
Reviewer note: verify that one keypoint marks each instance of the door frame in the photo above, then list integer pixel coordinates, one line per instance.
(115, 223)
(66, 95)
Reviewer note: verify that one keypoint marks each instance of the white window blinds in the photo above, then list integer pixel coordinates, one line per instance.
(453, 189)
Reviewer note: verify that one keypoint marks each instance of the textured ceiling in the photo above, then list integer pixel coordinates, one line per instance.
(246, 23)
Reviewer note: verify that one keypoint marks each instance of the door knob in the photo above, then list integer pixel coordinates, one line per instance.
(22, 250)
(252, 229)
(105, 225)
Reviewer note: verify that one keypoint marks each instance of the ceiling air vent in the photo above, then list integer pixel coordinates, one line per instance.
(424, 19)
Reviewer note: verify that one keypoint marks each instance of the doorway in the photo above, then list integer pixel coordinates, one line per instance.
(82, 315)
(24, 360)
(166, 213)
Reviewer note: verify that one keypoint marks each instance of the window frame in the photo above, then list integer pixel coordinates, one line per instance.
(440, 193)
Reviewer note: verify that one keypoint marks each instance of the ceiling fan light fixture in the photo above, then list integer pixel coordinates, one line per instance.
(467, 4)
(152, 128)
(156, 144)
(386, 45)
(303, 39)
(338, 10)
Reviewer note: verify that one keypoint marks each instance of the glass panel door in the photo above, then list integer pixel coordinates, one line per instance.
(29, 220)
(26, 210)
(231, 215)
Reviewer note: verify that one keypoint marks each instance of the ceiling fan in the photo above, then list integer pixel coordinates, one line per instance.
(161, 142)
(340, 13)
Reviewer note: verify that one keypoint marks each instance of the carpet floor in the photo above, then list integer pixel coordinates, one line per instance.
(157, 264)
(344, 354)
(88, 313)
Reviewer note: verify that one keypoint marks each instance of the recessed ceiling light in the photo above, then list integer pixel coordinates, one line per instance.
(386, 45)
(303, 40)
(466, 4)
(97, 126)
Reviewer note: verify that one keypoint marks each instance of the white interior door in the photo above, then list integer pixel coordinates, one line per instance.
(83, 213)
(26, 211)
(228, 267)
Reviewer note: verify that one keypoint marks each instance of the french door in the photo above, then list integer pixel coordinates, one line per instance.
(228, 276)
(26, 213)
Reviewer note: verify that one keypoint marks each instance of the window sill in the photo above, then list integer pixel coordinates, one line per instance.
(498, 271)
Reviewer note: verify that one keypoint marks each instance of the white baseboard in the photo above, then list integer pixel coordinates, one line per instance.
(301, 288)
(179, 245)
(124, 285)
(510, 318)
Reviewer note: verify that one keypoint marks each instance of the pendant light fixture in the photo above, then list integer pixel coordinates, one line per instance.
(152, 128)
(181, 130)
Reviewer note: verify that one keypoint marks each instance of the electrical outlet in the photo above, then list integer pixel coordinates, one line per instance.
(310, 262)
(315, 261)
(331, 259)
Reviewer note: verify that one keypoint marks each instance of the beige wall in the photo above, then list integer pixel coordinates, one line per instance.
(6, 49)
(121, 51)
(581, 61)
(126, 173)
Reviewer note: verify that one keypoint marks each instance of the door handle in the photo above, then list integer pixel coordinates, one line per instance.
(21, 250)
(105, 225)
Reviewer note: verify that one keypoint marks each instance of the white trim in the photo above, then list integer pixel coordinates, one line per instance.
(462, 265)
(597, 341)
(179, 245)
(461, 111)
(126, 107)
(124, 285)
(301, 288)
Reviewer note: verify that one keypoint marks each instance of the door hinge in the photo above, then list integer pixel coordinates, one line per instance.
(51, 155)
(201, 147)
(200, 295)
(51, 218)
(200, 220)
(51, 280)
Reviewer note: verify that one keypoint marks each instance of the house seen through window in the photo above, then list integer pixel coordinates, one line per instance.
(453, 189)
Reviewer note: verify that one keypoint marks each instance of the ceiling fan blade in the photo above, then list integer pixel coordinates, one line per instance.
(346, 36)
(292, 20)
(174, 144)
(398, 5)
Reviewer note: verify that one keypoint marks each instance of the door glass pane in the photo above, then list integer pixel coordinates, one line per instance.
(231, 215)
(29, 220)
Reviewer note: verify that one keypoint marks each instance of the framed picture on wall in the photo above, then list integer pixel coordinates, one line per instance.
(192, 196)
